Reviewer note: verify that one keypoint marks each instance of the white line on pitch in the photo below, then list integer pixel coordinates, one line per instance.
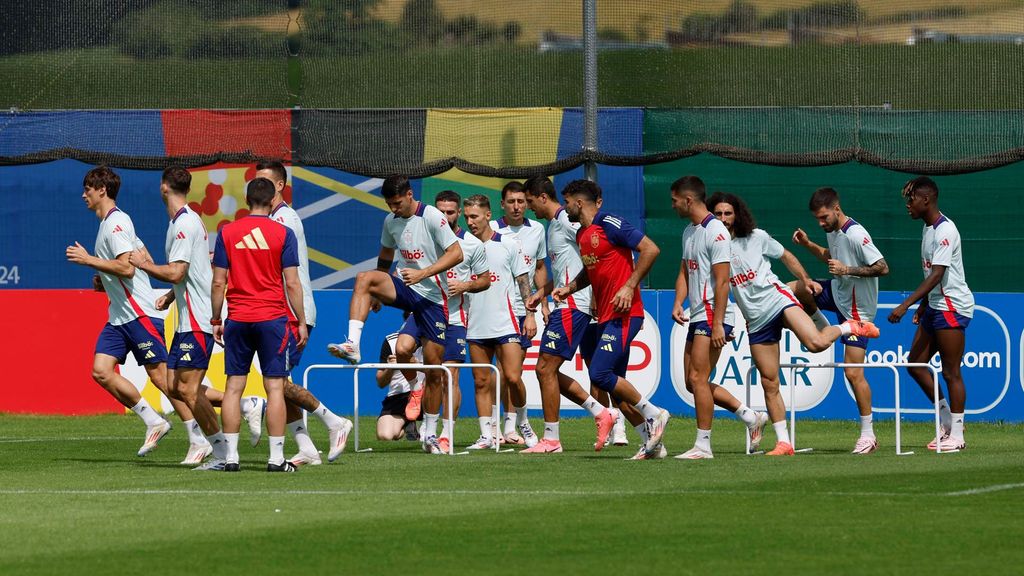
(986, 489)
(64, 439)
(417, 492)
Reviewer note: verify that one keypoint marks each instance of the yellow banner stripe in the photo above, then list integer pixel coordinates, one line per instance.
(339, 188)
(327, 260)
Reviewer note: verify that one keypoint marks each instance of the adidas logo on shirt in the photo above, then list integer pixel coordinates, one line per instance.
(118, 229)
(866, 241)
(180, 236)
(253, 241)
(720, 238)
(944, 242)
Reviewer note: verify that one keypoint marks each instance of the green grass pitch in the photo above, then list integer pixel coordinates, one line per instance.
(74, 499)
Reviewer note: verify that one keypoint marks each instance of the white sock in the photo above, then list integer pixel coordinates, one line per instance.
(430, 424)
(276, 450)
(146, 412)
(446, 428)
(957, 430)
(330, 419)
(782, 431)
(195, 435)
(232, 452)
(593, 406)
(355, 331)
(521, 416)
(820, 322)
(703, 440)
(220, 445)
(867, 429)
(650, 411)
(301, 435)
(945, 415)
(551, 431)
(510, 423)
(641, 429)
(748, 416)
(845, 329)
(486, 427)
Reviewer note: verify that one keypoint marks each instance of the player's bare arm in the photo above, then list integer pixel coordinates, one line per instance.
(649, 251)
(922, 291)
(164, 302)
(119, 267)
(797, 270)
(451, 257)
(720, 276)
(385, 259)
(540, 278)
(879, 268)
(218, 287)
(682, 289)
(820, 252)
(293, 288)
(480, 283)
(578, 283)
(530, 323)
(172, 272)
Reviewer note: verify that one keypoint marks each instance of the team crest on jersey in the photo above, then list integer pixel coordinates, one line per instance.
(594, 241)
(407, 237)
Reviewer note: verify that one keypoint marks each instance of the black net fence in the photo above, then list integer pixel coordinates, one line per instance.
(497, 88)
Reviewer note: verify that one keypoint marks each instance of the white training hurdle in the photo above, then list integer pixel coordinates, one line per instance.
(894, 366)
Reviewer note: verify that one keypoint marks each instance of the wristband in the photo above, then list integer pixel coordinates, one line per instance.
(215, 322)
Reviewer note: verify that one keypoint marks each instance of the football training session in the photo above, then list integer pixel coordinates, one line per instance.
(512, 287)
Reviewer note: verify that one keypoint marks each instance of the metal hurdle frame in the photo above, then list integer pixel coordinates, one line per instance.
(446, 368)
(894, 366)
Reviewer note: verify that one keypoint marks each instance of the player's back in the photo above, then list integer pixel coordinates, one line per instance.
(255, 250)
(606, 248)
(286, 215)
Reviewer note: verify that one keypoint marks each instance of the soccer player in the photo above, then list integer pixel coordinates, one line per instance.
(251, 256)
(768, 305)
(189, 272)
(392, 423)
(704, 277)
(531, 237)
(606, 246)
(298, 398)
(566, 325)
(428, 248)
(133, 323)
(856, 263)
(493, 326)
(946, 306)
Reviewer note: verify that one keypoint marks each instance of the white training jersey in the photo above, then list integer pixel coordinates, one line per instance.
(474, 263)
(705, 245)
(856, 297)
(492, 313)
(399, 385)
(286, 215)
(566, 262)
(940, 245)
(757, 291)
(420, 241)
(187, 242)
(530, 236)
(130, 298)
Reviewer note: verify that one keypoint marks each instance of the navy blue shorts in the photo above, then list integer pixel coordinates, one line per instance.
(702, 328)
(564, 332)
(611, 357)
(273, 340)
(455, 346)
(523, 340)
(297, 354)
(771, 332)
(431, 319)
(826, 301)
(144, 336)
(589, 341)
(499, 341)
(932, 320)
(190, 350)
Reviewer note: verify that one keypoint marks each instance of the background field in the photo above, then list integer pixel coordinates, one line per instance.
(73, 498)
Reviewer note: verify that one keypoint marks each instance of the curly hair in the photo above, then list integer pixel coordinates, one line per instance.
(744, 222)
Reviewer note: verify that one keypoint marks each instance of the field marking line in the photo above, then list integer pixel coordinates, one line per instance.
(419, 492)
(986, 489)
(64, 439)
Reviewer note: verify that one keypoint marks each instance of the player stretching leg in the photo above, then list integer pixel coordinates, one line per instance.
(606, 246)
(493, 327)
(566, 326)
(256, 253)
(769, 306)
(856, 264)
(704, 277)
(132, 322)
(943, 317)
(428, 248)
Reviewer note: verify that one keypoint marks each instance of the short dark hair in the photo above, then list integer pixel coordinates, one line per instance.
(744, 222)
(103, 177)
(395, 185)
(823, 198)
(178, 179)
(919, 185)
(259, 192)
(477, 200)
(690, 184)
(590, 190)
(512, 186)
(537, 185)
(276, 167)
(448, 196)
